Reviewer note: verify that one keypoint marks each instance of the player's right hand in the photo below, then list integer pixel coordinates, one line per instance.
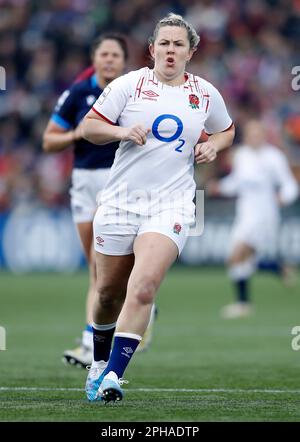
(136, 133)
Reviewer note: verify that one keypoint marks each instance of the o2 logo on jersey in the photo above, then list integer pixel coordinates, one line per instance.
(175, 136)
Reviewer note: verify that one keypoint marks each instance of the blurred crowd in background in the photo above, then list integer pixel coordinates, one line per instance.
(247, 50)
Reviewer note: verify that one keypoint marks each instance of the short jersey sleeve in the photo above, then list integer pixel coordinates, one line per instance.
(113, 99)
(64, 111)
(284, 178)
(218, 119)
(229, 185)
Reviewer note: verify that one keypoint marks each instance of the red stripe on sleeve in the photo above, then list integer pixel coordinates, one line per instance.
(103, 117)
(229, 127)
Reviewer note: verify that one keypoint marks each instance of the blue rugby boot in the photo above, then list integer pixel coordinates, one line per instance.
(94, 379)
(110, 389)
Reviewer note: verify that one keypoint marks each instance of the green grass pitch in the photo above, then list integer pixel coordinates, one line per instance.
(199, 368)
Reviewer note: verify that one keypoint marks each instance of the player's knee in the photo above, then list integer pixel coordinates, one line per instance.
(109, 296)
(144, 291)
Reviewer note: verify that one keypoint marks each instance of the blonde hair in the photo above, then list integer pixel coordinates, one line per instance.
(176, 20)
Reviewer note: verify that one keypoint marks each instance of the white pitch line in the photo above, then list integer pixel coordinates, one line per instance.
(159, 390)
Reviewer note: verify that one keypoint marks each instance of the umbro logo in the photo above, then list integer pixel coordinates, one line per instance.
(99, 241)
(150, 95)
(99, 338)
(128, 351)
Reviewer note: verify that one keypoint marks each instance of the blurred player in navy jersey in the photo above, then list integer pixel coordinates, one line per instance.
(84, 75)
(91, 164)
(262, 182)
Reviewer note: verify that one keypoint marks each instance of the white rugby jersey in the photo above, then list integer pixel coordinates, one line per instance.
(159, 175)
(256, 178)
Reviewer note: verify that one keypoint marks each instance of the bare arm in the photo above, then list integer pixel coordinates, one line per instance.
(57, 139)
(207, 152)
(98, 131)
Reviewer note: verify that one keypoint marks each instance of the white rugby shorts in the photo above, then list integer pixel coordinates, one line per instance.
(85, 192)
(257, 233)
(115, 230)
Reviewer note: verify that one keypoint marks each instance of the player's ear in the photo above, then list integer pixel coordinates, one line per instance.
(191, 53)
(151, 50)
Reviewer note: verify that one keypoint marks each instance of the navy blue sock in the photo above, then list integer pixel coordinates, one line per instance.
(124, 347)
(102, 338)
(242, 290)
(271, 266)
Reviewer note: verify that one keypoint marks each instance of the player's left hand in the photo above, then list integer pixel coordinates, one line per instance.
(205, 152)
